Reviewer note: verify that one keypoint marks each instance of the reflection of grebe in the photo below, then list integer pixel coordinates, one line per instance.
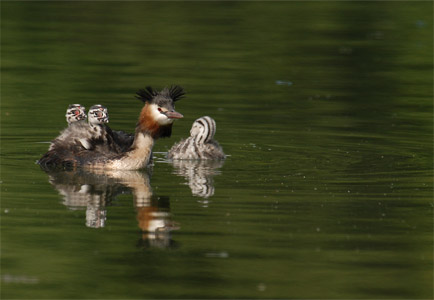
(87, 190)
(154, 220)
(200, 144)
(75, 113)
(155, 121)
(96, 189)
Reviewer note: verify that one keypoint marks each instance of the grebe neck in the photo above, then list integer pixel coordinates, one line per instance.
(137, 156)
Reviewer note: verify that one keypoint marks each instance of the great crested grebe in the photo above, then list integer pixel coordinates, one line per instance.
(75, 113)
(200, 144)
(155, 121)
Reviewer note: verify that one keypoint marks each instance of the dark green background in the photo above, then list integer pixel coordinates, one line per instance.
(325, 109)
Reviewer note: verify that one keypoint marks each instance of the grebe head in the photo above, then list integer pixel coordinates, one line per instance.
(158, 114)
(98, 114)
(162, 104)
(203, 129)
(75, 112)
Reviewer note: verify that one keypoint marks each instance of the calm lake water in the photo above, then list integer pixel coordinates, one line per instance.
(325, 109)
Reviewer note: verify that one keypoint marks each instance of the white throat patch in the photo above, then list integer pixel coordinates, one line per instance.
(161, 119)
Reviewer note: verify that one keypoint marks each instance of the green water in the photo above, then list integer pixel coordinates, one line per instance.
(325, 109)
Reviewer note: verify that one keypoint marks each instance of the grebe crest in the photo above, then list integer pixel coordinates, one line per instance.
(75, 113)
(200, 144)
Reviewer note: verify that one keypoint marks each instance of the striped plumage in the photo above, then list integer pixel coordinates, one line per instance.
(200, 144)
(119, 141)
(75, 113)
(75, 116)
(98, 114)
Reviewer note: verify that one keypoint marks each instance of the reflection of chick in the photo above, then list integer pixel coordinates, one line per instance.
(199, 175)
(200, 144)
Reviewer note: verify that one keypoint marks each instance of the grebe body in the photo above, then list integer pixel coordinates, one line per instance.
(200, 144)
(98, 148)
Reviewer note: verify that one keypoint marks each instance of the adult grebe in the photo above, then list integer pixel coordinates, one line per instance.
(155, 121)
(200, 144)
(75, 113)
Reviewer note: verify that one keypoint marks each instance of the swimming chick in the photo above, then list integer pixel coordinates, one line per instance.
(200, 144)
(155, 121)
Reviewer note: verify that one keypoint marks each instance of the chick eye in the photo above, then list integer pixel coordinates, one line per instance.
(160, 110)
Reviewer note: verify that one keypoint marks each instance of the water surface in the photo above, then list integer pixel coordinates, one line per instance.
(325, 109)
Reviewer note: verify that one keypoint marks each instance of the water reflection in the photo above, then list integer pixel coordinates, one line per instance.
(156, 224)
(96, 190)
(199, 175)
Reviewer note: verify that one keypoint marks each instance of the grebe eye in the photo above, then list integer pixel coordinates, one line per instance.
(160, 110)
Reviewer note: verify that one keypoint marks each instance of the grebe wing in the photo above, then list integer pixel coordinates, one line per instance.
(123, 139)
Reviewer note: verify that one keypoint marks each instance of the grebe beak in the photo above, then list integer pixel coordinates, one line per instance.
(173, 115)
